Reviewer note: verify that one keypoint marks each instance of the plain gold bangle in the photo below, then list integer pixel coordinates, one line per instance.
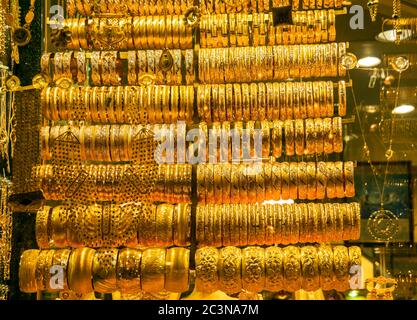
(177, 270)
(80, 270)
(27, 271)
(128, 270)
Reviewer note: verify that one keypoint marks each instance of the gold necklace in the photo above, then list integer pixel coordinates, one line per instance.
(22, 35)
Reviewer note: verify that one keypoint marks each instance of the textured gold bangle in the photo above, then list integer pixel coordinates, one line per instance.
(292, 269)
(128, 270)
(310, 136)
(321, 178)
(230, 259)
(268, 187)
(274, 272)
(226, 214)
(234, 225)
(293, 186)
(243, 224)
(295, 224)
(42, 227)
(200, 225)
(303, 235)
(252, 226)
(182, 224)
(302, 184)
(59, 227)
(253, 269)
(276, 180)
(339, 175)
(278, 223)
(206, 268)
(277, 139)
(337, 135)
(269, 225)
(309, 268)
(153, 270)
(208, 224)
(285, 180)
(286, 220)
(346, 221)
(289, 138)
(299, 137)
(164, 225)
(331, 181)
(342, 98)
(341, 268)
(355, 257)
(356, 220)
(177, 270)
(311, 181)
(61, 259)
(104, 270)
(325, 259)
(27, 271)
(80, 269)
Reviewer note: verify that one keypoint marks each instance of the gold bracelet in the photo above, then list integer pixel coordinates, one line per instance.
(337, 135)
(304, 236)
(217, 222)
(253, 269)
(261, 224)
(292, 268)
(277, 139)
(200, 225)
(182, 224)
(226, 217)
(286, 220)
(293, 180)
(309, 268)
(311, 181)
(58, 220)
(339, 174)
(331, 181)
(274, 272)
(43, 237)
(325, 259)
(299, 137)
(177, 270)
(153, 270)
(341, 268)
(206, 267)
(321, 177)
(328, 135)
(230, 259)
(285, 180)
(295, 224)
(80, 270)
(27, 271)
(208, 224)
(342, 98)
(252, 224)
(289, 138)
(319, 139)
(128, 270)
(104, 270)
(302, 180)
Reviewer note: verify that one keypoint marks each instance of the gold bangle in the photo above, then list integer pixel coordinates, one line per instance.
(303, 222)
(253, 269)
(234, 188)
(311, 181)
(302, 180)
(243, 184)
(292, 269)
(153, 270)
(293, 180)
(274, 272)
(285, 180)
(356, 220)
(289, 137)
(42, 227)
(177, 270)
(321, 177)
(269, 225)
(252, 224)
(27, 271)
(277, 139)
(319, 139)
(328, 135)
(246, 99)
(341, 268)
(310, 100)
(276, 180)
(230, 259)
(104, 270)
(349, 179)
(309, 268)
(243, 224)
(325, 259)
(331, 181)
(261, 224)
(268, 187)
(299, 137)
(164, 225)
(329, 99)
(337, 135)
(182, 225)
(209, 182)
(206, 267)
(339, 174)
(208, 224)
(128, 270)
(80, 270)
(342, 98)
(59, 227)
(200, 225)
(286, 220)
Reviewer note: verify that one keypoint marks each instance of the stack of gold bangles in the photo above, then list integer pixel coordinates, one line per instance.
(254, 183)
(125, 7)
(256, 140)
(152, 32)
(272, 101)
(306, 4)
(247, 64)
(91, 183)
(106, 67)
(151, 104)
(131, 224)
(223, 30)
(264, 224)
(173, 184)
(229, 6)
(255, 269)
(106, 270)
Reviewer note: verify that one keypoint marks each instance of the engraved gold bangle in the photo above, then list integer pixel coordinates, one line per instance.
(337, 134)
(153, 270)
(253, 269)
(274, 271)
(292, 268)
(230, 259)
(321, 177)
(328, 135)
(206, 267)
(311, 181)
(285, 180)
(310, 136)
(289, 137)
(309, 268)
(341, 268)
(325, 258)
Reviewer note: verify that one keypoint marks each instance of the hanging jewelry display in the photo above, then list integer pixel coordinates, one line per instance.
(373, 9)
(6, 221)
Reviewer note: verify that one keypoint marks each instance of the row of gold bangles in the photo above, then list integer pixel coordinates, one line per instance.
(270, 224)
(256, 269)
(173, 184)
(272, 101)
(127, 104)
(264, 63)
(125, 7)
(224, 30)
(151, 32)
(260, 140)
(254, 183)
(106, 67)
(92, 183)
(131, 225)
(226, 6)
(106, 270)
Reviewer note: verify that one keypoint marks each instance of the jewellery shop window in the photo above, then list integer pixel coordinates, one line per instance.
(208, 149)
